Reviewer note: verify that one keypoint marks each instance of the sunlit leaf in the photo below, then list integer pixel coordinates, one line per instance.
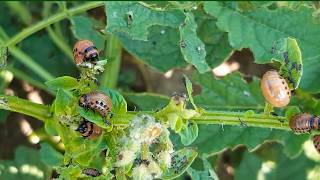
(134, 19)
(260, 28)
(192, 48)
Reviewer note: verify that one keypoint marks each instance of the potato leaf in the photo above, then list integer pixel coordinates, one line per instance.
(63, 82)
(181, 160)
(83, 28)
(259, 29)
(134, 19)
(50, 156)
(192, 48)
(189, 133)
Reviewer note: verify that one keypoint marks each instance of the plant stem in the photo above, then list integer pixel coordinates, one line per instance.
(15, 104)
(46, 22)
(113, 52)
(42, 112)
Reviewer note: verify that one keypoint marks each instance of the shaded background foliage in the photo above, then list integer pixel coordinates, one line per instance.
(159, 41)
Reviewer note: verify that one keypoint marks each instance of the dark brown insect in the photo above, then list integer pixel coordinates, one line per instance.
(316, 142)
(97, 101)
(91, 172)
(85, 51)
(89, 130)
(304, 122)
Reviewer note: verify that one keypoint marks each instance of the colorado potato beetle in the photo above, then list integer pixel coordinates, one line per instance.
(304, 122)
(85, 51)
(316, 142)
(96, 101)
(89, 130)
(91, 172)
(275, 89)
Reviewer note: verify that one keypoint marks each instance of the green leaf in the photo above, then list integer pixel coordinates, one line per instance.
(94, 117)
(249, 163)
(64, 103)
(290, 58)
(256, 31)
(181, 160)
(161, 51)
(119, 104)
(206, 174)
(3, 57)
(227, 92)
(146, 101)
(189, 133)
(192, 48)
(26, 166)
(189, 91)
(216, 41)
(83, 28)
(50, 156)
(134, 19)
(64, 82)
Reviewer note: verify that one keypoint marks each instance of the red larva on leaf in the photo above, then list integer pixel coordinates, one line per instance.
(316, 142)
(85, 51)
(275, 89)
(97, 101)
(89, 130)
(303, 123)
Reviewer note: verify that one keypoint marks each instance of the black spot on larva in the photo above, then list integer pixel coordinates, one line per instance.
(288, 93)
(286, 87)
(282, 82)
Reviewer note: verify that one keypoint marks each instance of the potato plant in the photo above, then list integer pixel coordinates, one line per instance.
(231, 127)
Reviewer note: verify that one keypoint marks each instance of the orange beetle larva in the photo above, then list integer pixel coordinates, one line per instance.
(316, 142)
(97, 101)
(275, 89)
(85, 51)
(304, 122)
(89, 130)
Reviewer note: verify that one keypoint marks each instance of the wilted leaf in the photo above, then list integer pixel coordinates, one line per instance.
(181, 160)
(192, 48)
(258, 29)
(189, 91)
(134, 19)
(64, 82)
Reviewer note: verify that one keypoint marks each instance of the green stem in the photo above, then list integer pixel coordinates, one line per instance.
(25, 59)
(42, 112)
(113, 53)
(15, 104)
(53, 19)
